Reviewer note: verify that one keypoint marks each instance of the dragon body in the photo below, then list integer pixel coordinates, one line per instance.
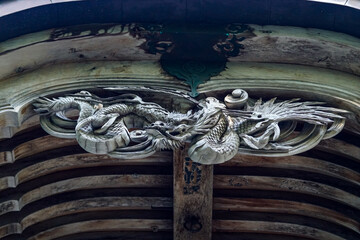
(126, 126)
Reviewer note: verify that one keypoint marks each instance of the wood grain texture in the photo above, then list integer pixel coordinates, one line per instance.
(272, 228)
(97, 182)
(87, 160)
(9, 206)
(6, 157)
(7, 182)
(35, 146)
(284, 207)
(143, 225)
(296, 163)
(286, 184)
(340, 148)
(96, 204)
(44, 193)
(10, 229)
(192, 198)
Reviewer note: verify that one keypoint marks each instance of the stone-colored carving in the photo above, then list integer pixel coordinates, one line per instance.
(237, 99)
(128, 127)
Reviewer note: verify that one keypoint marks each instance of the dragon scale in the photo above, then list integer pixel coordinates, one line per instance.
(125, 126)
(217, 146)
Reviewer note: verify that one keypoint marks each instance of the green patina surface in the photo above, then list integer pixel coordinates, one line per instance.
(193, 53)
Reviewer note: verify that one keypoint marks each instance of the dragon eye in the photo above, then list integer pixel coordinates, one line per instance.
(162, 124)
(259, 116)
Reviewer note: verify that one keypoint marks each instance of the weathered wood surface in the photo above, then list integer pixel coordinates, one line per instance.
(296, 163)
(96, 204)
(284, 207)
(6, 157)
(9, 206)
(77, 161)
(286, 184)
(35, 146)
(26, 126)
(192, 198)
(262, 227)
(340, 148)
(143, 225)
(285, 78)
(338, 88)
(10, 229)
(97, 182)
(87, 160)
(7, 182)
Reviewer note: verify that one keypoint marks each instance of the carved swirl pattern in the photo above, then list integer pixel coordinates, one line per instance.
(127, 127)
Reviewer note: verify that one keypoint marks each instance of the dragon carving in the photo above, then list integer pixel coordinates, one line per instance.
(127, 127)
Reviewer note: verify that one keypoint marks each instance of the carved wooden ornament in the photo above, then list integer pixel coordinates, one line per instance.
(127, 127)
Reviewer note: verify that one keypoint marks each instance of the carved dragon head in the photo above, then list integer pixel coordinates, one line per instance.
(180, 129)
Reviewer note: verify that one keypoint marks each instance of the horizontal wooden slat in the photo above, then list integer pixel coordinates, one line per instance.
(28, 125)
(272, 228)
(35, 146)
(72, 162)
(340, 148)
(295, 163)
(7, 182)
(41, 144)
(29, 129)
(286, 184)
(9, 206)
(96, 182)
(87, 160)
(96, 204)
(6, 157)
(284, 207)
(10, 229)
(143, 225)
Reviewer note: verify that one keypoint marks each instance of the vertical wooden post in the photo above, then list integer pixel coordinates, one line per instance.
(193, 197)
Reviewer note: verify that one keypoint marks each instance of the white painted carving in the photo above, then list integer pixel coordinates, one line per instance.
(128, 127)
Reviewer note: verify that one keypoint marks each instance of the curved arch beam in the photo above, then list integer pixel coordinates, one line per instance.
(336, 88)
(96, 182)
(286, 184)
(272, 228)
(343, 16)
(146, 225)
(284, 207)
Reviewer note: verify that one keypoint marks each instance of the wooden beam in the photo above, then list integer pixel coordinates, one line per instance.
(6, 157)
(10, 229)
(85, 160)
(295, 163)
(286, 185)
(193, 185)
(35, 146)
(107, 225)
(96, 204)
(340, 148)
(9, 206)
(261, 227)
(7, 182)
(284, 207)
(96, 182)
